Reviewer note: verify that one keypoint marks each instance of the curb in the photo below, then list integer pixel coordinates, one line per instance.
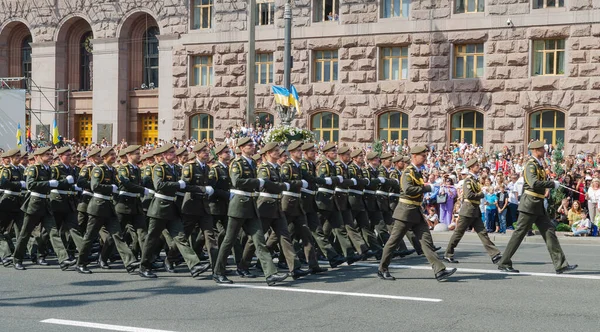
(444, 237)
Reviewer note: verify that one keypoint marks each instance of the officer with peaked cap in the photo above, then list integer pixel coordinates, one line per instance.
(11, 184)
(372, 210)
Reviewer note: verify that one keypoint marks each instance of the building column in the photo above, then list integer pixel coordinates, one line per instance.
(165, 87)
(109, 116)
(43, 93)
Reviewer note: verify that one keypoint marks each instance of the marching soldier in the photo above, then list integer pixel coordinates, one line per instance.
(165, 214)
(37, 210)
(470, 216)
(11, 183)
(396, 174)
(243, 213)
(532, 211)
(408, 216)
(383, 192)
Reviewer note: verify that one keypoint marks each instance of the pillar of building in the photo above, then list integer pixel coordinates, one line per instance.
(165, 91)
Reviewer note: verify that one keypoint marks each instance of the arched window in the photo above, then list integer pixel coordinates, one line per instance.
(547, 125)
(326, 125)
(263, 118)
(201, 127)
(26, 60)
(85, 54)
(393, 126)
(150, 48)
(467, 126)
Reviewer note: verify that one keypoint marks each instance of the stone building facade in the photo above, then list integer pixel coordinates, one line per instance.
(495, 72)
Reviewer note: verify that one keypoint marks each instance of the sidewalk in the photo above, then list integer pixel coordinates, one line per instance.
(444, 237)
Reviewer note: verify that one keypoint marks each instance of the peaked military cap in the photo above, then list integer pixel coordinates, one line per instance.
(268, 147)
(164, 149)
(41, 151)
(62, 150)
(257, 157)
(198, 147)
(10, 153)
(31, 157)
(397, 159)
(180, 151)
(356, 153)
(243, 141)
(238, 151)
(535, 145)
(328, 147)
(294, 145)
(131, 148)
(106, 151)
(220, 148)
(94, 152)
(418, 149)
(385, 156)
(211, 158)
(122, 152)
(406, 159)
(343, 149)
(307, 146)
(471, 162)
(372, 155)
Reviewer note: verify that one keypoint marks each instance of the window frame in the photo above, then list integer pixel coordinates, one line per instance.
(85, 72)
(210, 71)
(209, 131)
(270, 12)
(383, 58)
(462, 129)
(545, 4)
(542, 129)
(333, 64)
(392, 15)
(26, 63)
(464, 55)
(466, 6)
(196, 5)
(270, 70)
(147, 57)
(402, 129)
(544, 53)
(321, 15)
(333, 130)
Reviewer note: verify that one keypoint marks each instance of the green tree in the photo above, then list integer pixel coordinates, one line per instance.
(377, 147)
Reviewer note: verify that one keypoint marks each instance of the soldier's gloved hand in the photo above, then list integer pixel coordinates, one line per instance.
(304, 184)
(23, 185)
(76, 188)
(341, 178)
(70, 179)
(115, 188)
(209, 190)
(287, 186)
(146, 191)
(181, 184)
(231, 196)
(381, 179)
(354, 181)
(53, 183)
(328, 181)
(261, 183)
(556, 184)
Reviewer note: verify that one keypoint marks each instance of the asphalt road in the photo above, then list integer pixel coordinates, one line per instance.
(349, 298)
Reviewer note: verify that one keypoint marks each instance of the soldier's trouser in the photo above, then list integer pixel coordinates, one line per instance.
(36, 243)
(135, 226)
(175, 230)
(353, 232)
(302, 232)
(422, 233)
(367, 221)
(205, 237)
(7, 220)
(465, 223)
(254, 229)
(312, 220)
(221, 227)
(68, 229)
(548, 232)
(280, 227)
(410, 235)
(332, 220)
(94, 225)
(47, 223)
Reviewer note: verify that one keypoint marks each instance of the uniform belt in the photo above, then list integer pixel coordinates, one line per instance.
(104, 197)
(341, 190)
(33, 193)
(62, 192)
(394, 195)
(354, 191)
(408, 201)
(269, 195)
(310, 192)
(243, 193)
(534, 194)
(87, 193)
(180, 194)
(126, 193)
(325, 190)
(165, 197)
(14, 193)
(370, 192)
(472, 201)
(289, 193)
(383, 193)
(151, 192)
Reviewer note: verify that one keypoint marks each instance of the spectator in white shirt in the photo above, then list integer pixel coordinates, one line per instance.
(593, 198)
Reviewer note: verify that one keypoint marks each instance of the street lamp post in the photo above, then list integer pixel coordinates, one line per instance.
(251, 63)
(287, 114)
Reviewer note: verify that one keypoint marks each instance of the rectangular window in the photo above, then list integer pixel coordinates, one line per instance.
(537, 4)
(202, 14)
(326, 66)
(265, 12)
(394, 63)
(202, 71)
(469, 6)
(264, 68)
(326, 10)
(394, 8)
(549, 57)
(468, 61)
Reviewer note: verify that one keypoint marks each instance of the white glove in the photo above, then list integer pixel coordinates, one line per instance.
(556, 184)
(262, 183)
(209, 190)
(354, 181)
(115, 188)
(231, 196)
(368, 181)
(381, 179)
(328, 181)
(23, 184)
(304, 184)
(146, 191)
(76, 188)
(181, 184)
(287, 186)
(397, 182)
(53, 183)
(70, 179)
(341, 178)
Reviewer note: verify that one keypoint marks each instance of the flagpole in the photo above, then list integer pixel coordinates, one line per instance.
(287, 54)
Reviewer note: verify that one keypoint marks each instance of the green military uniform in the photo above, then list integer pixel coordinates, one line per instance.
(531, 211)
(11, 183)
(383, 194)
(470, 216)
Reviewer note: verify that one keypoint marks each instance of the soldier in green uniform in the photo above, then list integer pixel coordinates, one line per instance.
(531, 211)
(165, 214)
(37, 210)
(129, 205)
(383, 192)
(11, 184)
(470, 216)
(243, 213)
(374, 213)
(396, 173)
(309, 205)
(101, 212)
(408, 215)
(63, 202)
(195, 208)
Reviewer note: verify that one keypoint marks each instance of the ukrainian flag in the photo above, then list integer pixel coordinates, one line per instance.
(294, 99)
(55, 134)
(19, 135)
(282, 95)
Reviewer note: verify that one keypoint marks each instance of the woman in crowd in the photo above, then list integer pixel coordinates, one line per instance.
(574, 213)
(593, 197)
(448, 190)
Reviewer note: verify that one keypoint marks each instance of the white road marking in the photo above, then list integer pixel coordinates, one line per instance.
(99, 326)
(318, 291)
(481, 271)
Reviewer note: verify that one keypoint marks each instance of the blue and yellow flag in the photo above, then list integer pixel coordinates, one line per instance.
(19, 135)
(282, 95)
(294, 99)
(55, 134)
